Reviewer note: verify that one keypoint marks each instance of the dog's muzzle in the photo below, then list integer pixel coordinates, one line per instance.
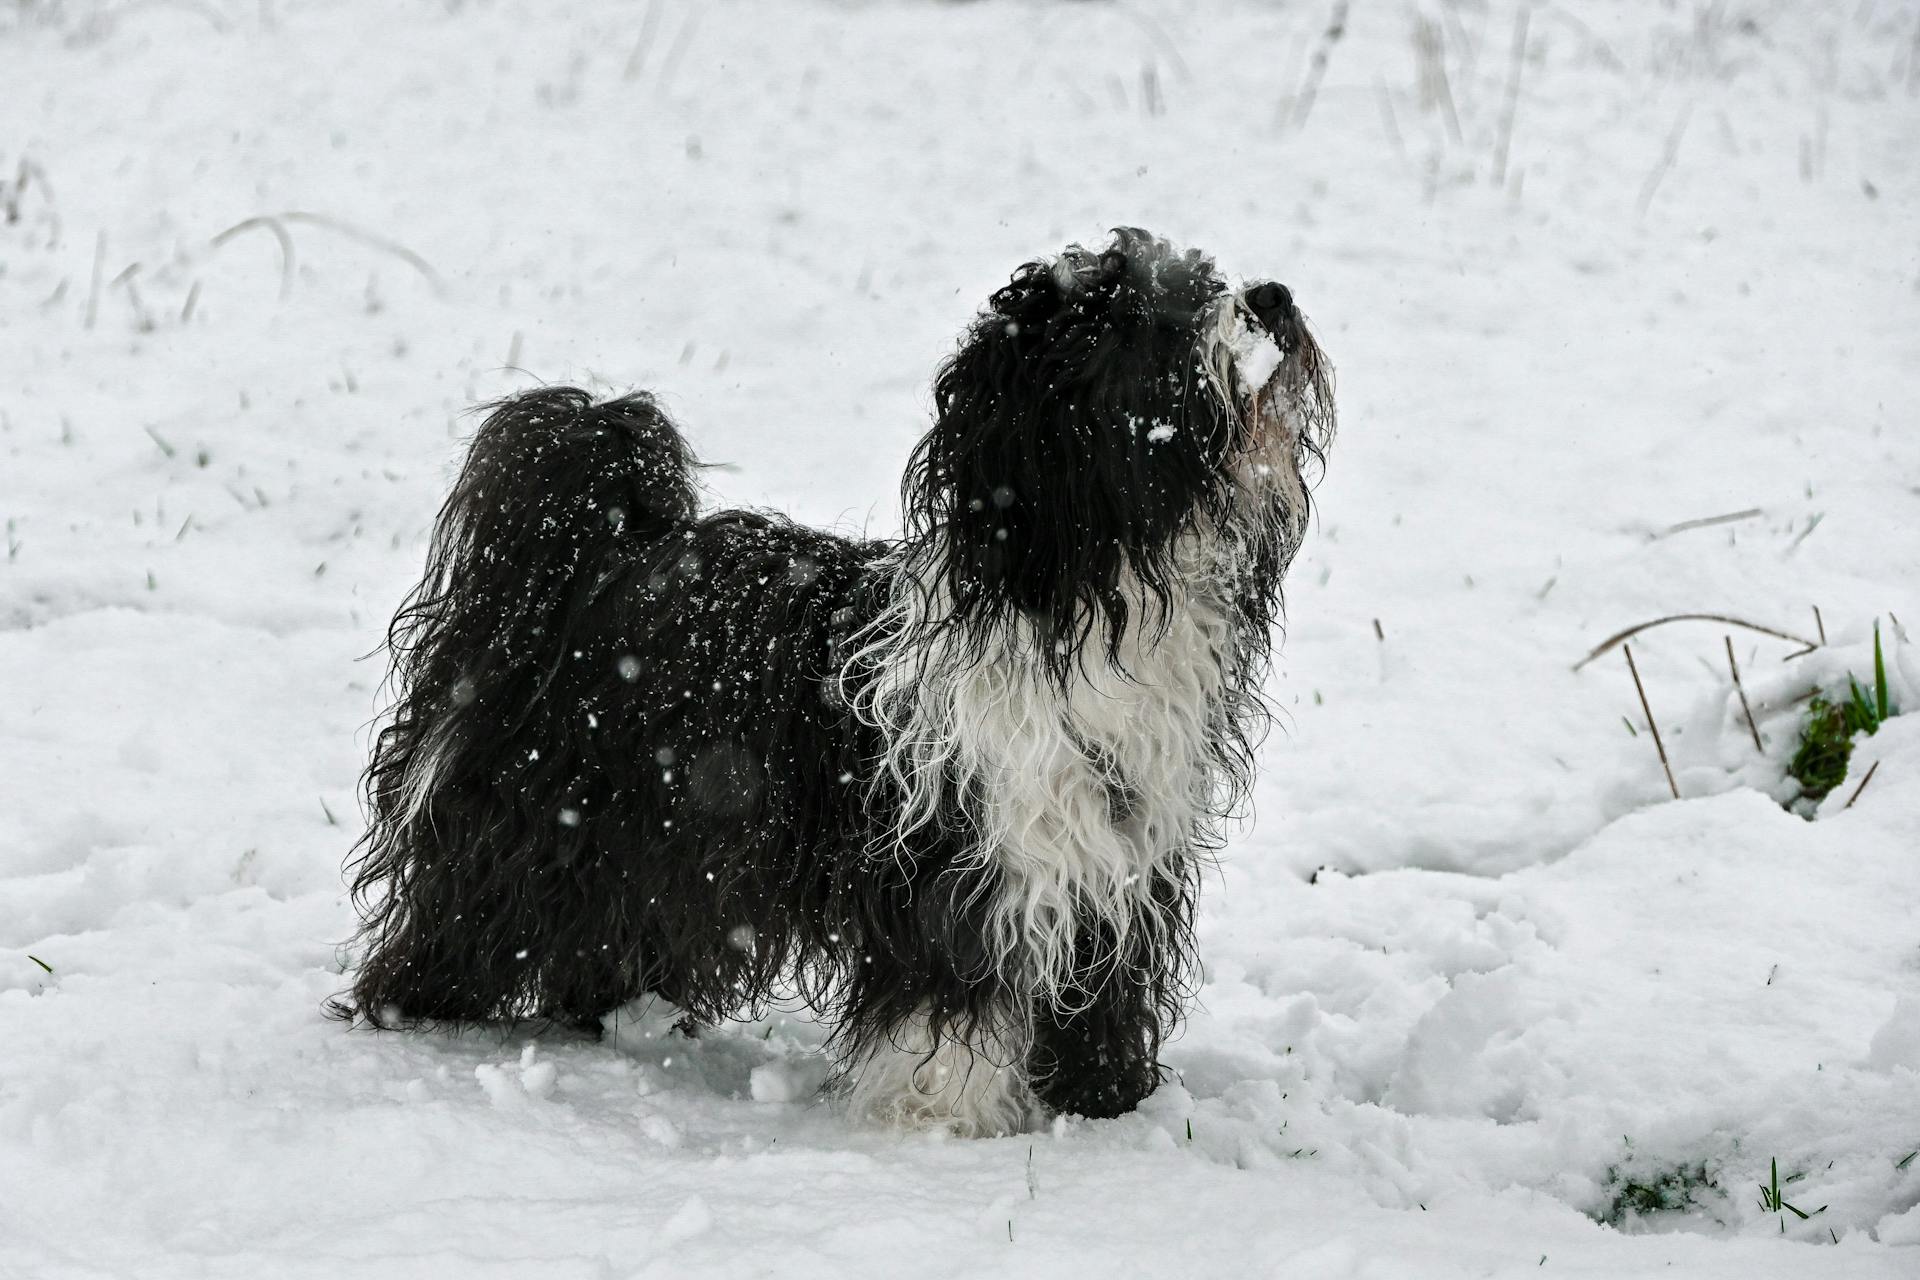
(1272, 305)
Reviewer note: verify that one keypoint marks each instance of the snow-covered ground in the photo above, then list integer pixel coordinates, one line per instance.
(1663, 266)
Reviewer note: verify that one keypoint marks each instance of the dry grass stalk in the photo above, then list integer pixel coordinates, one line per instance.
(1668, 154)
(1317, 66)
(1658, 745)
(1430, 56)
(277, 224)
(1820, 626)
(1388, 119)
(1741, 690)
(1623, 636)
(1804, 534)
(268, 223)
(1732, 517)
(1871, 770)
(1516, 62)
(99, 266)
(682, 41)
(638, 57)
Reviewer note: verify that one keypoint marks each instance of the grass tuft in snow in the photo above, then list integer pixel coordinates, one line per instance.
(1634, 1195)
(1826, 741)
(1770, 1196)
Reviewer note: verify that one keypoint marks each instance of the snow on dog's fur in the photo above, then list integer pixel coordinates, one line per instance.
(954, 790)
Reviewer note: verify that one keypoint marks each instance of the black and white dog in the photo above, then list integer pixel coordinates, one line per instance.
(955, 791)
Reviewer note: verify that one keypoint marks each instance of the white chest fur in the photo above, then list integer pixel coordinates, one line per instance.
(1083, 793)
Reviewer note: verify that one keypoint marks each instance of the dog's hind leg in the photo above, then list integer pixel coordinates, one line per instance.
(596, 981)
(607, 960)
(488, 890)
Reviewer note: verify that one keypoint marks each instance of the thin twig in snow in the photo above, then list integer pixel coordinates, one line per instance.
(682, 41)
(99, 265)
(1633, 631)
(1600, 48)
(1469, 46)
(1668, 154)
(1732, 517)
(649, 22)
(1871, 770)
(1658, 745)
(1317, 65)
(372, 240)
(280, 233)
(276, 223)
(1820, 626)
(1158, 34)
(1388, 118)
(1150, 94)
(1804, 534)
(1913, 60)
(1430, 54)
(1742, 691)
(1515, 63)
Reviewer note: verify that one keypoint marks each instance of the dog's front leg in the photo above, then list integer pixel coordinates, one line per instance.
(1097, 1061)
(1095, 1046)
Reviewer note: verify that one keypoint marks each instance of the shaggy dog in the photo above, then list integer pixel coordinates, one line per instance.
(954, 790)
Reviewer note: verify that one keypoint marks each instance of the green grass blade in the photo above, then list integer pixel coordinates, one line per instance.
(1879, 675)
(1863, 715)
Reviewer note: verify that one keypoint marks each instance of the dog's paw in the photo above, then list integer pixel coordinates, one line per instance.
(958, 1117)
(968, 1090)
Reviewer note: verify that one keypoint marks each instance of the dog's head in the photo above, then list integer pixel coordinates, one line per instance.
(1104, 404)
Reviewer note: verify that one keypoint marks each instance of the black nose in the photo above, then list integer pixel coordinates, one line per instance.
(1273, 304)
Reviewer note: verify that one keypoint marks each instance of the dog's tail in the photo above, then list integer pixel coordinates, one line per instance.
(465, 816)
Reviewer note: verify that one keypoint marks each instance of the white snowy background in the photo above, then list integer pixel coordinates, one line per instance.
(1588, 272)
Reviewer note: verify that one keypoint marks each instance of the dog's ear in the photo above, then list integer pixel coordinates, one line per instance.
(1072, 441)
(1009, 484)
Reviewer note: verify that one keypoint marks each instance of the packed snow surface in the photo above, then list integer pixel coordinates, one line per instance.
(1593, 276)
